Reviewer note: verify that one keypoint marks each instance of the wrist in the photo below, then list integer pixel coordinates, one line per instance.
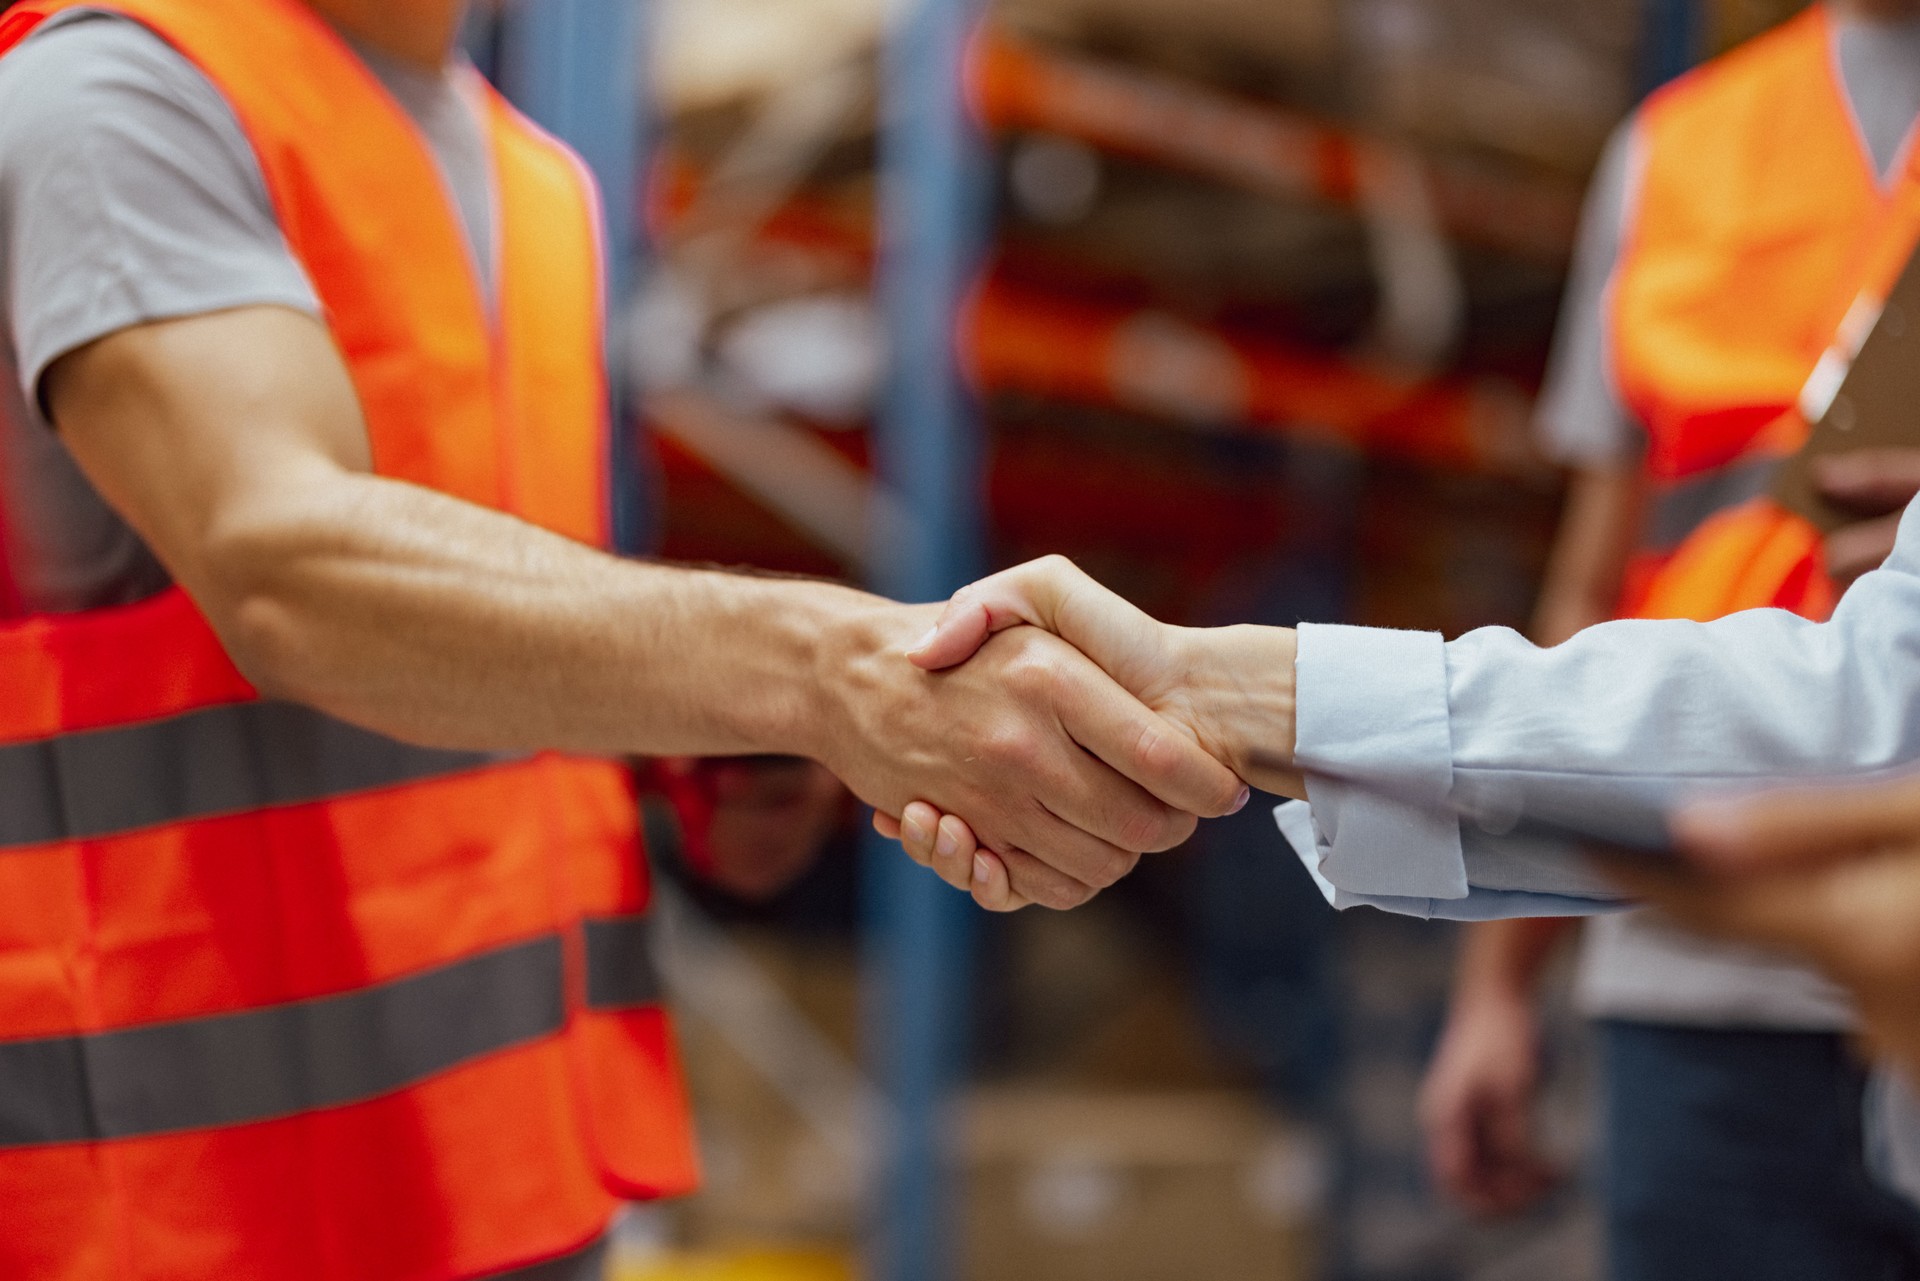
(1501, 993)
(1239, 683)
(801, 637)
(855, 652)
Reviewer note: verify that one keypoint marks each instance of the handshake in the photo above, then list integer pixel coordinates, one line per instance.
(1078, 733)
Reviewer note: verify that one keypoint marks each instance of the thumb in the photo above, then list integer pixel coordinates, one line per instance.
(963, 628)
(1029, 593)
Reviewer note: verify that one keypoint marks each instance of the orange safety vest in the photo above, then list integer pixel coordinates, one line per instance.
(280, 997)
(1758, 221)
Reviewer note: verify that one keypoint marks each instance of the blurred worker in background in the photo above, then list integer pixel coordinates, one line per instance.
(1726, 234)
(1734, 224)
(1830, 875)
(319, 962)
(1390, 731)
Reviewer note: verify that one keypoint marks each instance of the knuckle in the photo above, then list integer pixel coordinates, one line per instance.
(1179, 830)
(1143, 828)
(1013, 743)
(1055, 563)
(1066, 896)
(1113, 867)
(1155, 752)
(1030, 670)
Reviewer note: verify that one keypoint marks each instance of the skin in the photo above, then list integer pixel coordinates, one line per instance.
(1231, 688)
(1235, 693)
(1480, 1096)
(435, 621)
(1830, 875)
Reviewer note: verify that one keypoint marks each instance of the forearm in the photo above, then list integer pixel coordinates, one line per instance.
(1588, 561)
(436, 621)
(1626, 711)
(1504, 960)
(1238, 684)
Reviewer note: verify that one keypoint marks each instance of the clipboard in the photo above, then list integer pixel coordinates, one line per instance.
(1864, 394)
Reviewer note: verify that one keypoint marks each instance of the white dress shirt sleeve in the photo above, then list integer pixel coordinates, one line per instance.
(1631, 710)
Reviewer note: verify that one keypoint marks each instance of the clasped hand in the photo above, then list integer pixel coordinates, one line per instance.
(1225, 692)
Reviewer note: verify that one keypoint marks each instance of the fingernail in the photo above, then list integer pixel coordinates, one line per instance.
(946, 846)
(1246, 794)
(924, 641)
(981, 872)
(913, 832)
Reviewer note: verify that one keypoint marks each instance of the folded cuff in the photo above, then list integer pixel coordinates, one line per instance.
(1297, 825)
(1373, 737)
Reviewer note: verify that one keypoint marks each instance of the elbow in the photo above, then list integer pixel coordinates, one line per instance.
(264, 637)
(250, 590)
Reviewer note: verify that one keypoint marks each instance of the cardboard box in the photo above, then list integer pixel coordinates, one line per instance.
(1066, 1185)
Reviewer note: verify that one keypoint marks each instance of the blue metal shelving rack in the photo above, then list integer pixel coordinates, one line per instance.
(578, 69)
(933, 210)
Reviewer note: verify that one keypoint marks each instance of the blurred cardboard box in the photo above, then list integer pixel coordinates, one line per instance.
(1066, 1185)
(1128, 1160)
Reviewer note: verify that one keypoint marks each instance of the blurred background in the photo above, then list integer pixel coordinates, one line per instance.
(1241, 304)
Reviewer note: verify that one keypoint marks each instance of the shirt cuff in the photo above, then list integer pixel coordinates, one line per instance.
(1297, 825)
(1373, 738)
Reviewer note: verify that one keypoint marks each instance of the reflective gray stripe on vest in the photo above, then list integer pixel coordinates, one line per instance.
(1682, 509)
(620, 968)
(280, 1060)
(219, 760)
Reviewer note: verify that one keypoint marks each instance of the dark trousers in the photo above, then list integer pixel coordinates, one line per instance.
(1737, 1156)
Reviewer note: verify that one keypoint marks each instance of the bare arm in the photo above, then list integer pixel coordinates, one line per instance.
(1590, 549)
(394, 606)
(1232, 686)
(233, 443)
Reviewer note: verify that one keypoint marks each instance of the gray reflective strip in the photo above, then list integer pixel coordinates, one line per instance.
(1691, 503)
(285, 1059)
(280, 1060)
(620, 967)
(220, 760)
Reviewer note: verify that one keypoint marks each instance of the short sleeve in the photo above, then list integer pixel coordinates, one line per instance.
(128, 194)
(1581, 420)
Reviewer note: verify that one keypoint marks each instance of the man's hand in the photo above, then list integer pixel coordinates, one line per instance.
(1831, 875)
(1479, 1099)
(1063, 774)
(1230, 689)
(447, 623)
(1477, 1109)
(1876, 485)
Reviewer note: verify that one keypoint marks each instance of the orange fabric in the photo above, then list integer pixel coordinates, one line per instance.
(63, 675)
(358, 1191)
(502, 1161)
(1755, 555)
(1758, 220)
(1019, 339)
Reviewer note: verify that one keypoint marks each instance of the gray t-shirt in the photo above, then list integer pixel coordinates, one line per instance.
(1633, 967)
(128, 194)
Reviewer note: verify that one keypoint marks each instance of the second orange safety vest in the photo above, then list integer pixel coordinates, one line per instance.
(281, 998)
(1756, 222)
